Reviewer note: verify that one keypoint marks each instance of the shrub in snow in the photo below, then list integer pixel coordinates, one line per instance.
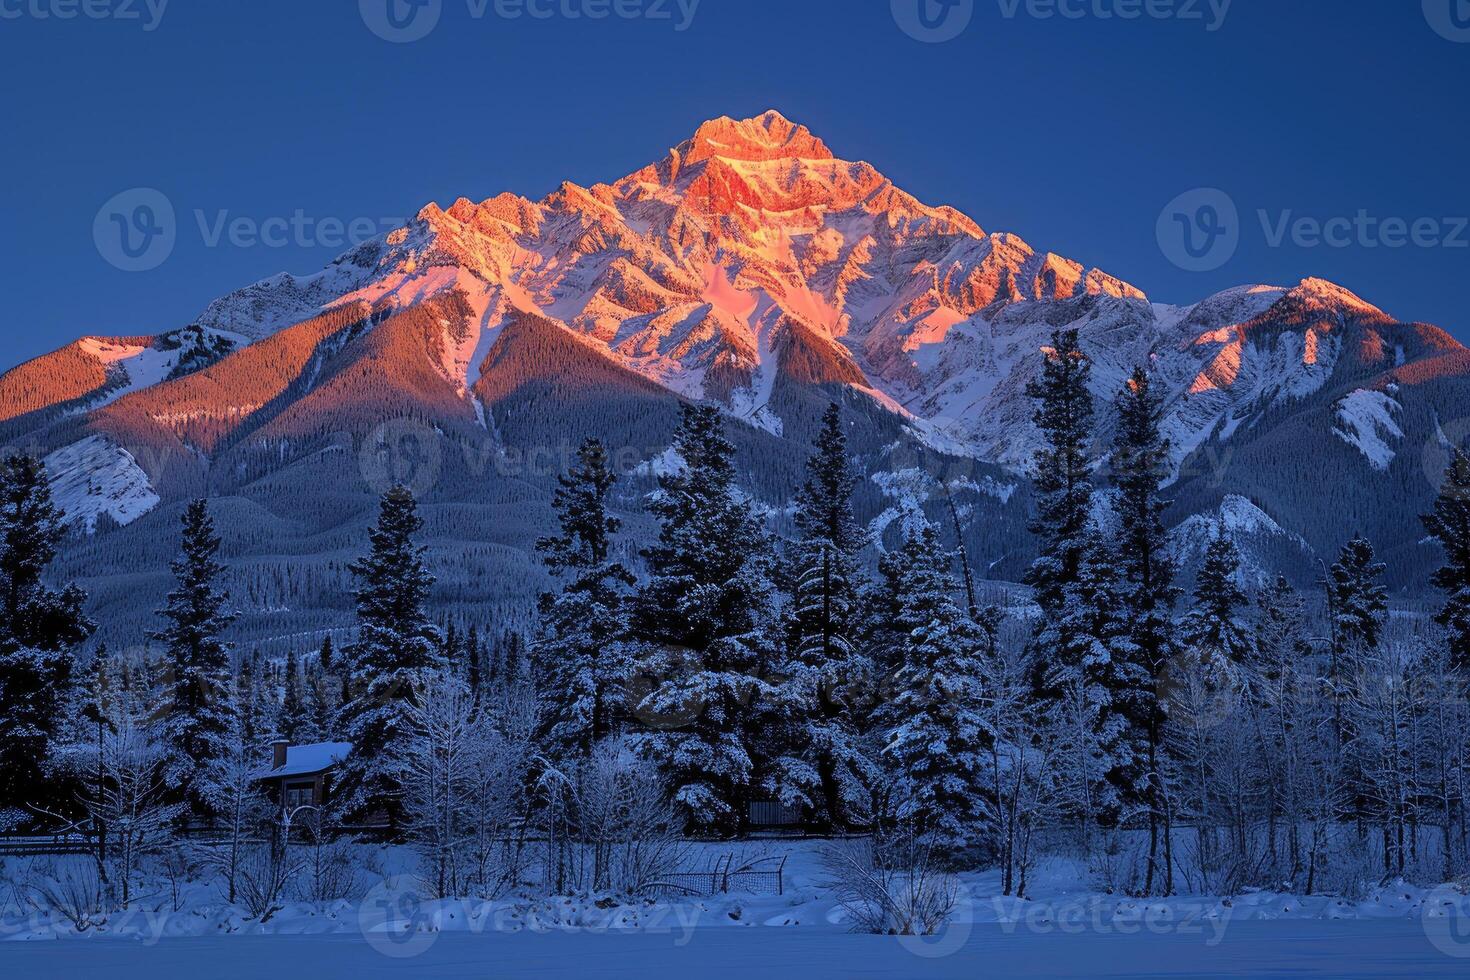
(72, 890)
(891, 884)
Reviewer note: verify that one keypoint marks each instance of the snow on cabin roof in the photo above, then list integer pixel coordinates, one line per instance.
(303, 760)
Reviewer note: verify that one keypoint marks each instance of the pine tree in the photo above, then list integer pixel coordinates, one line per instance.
(247, 684)
(451, 653)
(1449, 523)
(41, 626)
(1358, 600)
(195, 618)
(580, 660)
(1213, 631)
(1063, 481)
(395, 642)
(99, 698)
(1096, 672)
(319, 704)
(821, 759)
(703, 622)
(1357, 605)
(293, 713)
(935, 735)
(1140, 465)
(326, 656)
(475, 652)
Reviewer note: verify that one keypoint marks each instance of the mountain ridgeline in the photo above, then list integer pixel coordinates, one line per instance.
(469, 352)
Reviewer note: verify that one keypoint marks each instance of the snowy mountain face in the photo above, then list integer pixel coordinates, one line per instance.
(752, 267)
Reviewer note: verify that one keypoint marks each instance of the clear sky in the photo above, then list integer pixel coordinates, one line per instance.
(1075, 132)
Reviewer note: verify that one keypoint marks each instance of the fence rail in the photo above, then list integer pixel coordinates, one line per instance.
(749, 878)
(36, 845)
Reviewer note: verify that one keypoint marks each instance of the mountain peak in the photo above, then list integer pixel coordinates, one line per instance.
(769, 136)
(1321, 292)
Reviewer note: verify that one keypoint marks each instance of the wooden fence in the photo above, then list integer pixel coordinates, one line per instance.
(756, 877)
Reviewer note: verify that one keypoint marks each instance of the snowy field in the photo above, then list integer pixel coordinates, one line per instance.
(1288, 949)
(1066, 930)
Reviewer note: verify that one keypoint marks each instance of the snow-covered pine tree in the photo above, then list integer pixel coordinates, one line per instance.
(1357, 605)
(475, 655)
(580, 659)
(395, 641)
(293, 712)
(258, 722)
(1358, 599)
(1212, 631)
(1283, 683)
(319, 702)
(231, 784)
(1140, 464)
(40, 628)
(820, 761)
(1063, 482)
(1095, 669)
(704, 623)
(1449, 523)
(195, 618)
(936, 736)
(452, 649)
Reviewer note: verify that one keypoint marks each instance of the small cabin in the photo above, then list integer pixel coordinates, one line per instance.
(301, 775)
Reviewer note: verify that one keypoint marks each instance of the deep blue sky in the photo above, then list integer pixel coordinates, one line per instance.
(1073, 134)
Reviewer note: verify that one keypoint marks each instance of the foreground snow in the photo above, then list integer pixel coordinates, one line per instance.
(1378, 948)
(1066, 929)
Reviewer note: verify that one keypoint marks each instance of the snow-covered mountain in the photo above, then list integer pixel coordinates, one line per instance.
(750, 266)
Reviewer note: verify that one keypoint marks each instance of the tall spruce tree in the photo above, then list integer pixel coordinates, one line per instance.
(822, 760)
(1357, 605)
(1359, 601)
(395, 642)
(1063, 480)
(41, 626)
(1140, 464)
(1449, 524)
(475, 653)
(934, 732)
(247, 685)
(1082, 655)
(196, 618)
(1212, 630)
(1096, 670)
(293, 707)
(581, 659)
(703, 622)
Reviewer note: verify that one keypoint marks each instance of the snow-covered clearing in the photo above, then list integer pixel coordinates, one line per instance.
(1296, 949)
(1066, 930)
